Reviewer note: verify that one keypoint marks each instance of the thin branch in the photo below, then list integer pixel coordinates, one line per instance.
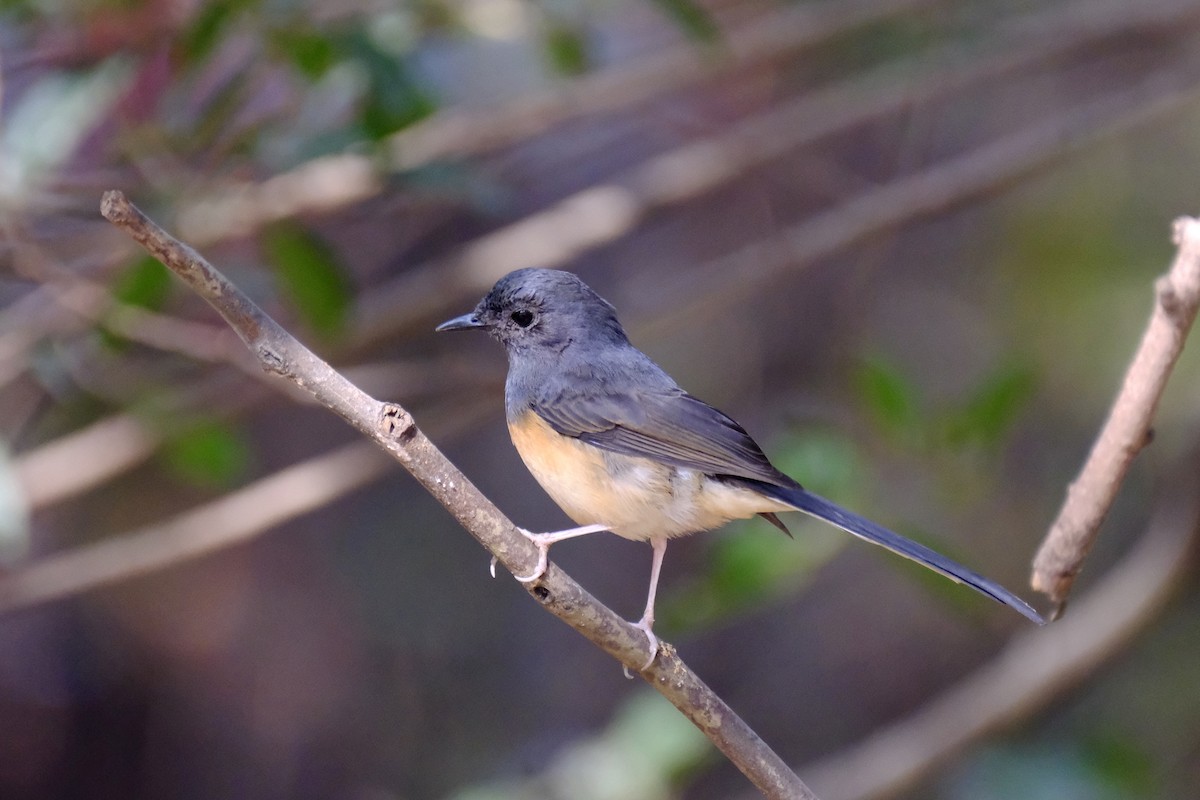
(233, 518)
(1127, 429)
(423, 292)
(226, 521)
(336, 181)
(1035, 668)
(935, 190)
(83, 459)
(940, 187)
(601, 214)
(771, 38)
(393, 428)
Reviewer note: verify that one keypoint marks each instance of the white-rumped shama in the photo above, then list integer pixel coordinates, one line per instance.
(620, 447)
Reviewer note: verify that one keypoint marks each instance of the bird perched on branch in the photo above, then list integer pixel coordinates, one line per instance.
(620, 447)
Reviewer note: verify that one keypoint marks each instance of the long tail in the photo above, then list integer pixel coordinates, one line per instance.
(819, 507)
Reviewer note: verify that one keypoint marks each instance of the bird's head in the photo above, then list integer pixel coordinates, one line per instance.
(542, 309)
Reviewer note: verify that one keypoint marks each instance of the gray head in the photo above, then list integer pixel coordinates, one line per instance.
(542, 308)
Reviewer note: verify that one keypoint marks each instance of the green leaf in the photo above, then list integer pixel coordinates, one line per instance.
(311, 52)
(993, 407)
(825, 461)
(891, 398)
(566, 50)
(394, 99)
(1121, 762)
(692, 19)
(202, 37)
(650, 730)
(147, 283)
(309, 276)
(208, 454)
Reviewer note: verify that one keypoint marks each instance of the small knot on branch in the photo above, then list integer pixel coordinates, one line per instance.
(270, 359)
(396, 423)
(1168, 298)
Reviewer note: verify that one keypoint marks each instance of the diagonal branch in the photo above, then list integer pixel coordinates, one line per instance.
(1127, 430)
(601, 214)
(231, 519)
(393, 428)
(1035, 668)
(335, 181)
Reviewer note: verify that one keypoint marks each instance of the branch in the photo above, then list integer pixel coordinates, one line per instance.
(1127, 430)
(70, 464)
(938, 188)
(335, 181)
(423, 291)
(231, 519)
(1035, 668)
(83, 459)
(391, 427)
(601, 214)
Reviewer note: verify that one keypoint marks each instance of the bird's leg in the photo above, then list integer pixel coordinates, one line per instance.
(646, 623)
(542, 542)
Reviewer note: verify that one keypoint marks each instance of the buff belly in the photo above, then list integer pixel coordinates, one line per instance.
(636, 498)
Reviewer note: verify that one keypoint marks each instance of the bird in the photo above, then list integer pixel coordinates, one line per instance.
(620, 447)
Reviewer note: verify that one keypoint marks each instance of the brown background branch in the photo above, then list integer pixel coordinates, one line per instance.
(394, 429)
(1035, 668)
(1127, 429)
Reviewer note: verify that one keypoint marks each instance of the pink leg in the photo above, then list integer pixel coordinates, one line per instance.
(542, 542)
(646, 623)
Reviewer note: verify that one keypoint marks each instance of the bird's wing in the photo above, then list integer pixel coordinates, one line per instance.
(669, 426)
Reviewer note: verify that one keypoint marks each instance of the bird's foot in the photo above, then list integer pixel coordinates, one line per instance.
(646, 626)
(542, 542)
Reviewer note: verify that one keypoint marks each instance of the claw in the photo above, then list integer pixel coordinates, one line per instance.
(542, 542)
(492, 566)
(646, 626)
(543, 548)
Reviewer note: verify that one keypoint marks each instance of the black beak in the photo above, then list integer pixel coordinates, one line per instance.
(464, 323)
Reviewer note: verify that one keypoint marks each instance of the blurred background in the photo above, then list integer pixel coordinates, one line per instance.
(909, 244)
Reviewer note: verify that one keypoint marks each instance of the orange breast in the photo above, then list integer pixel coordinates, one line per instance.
(636, 498)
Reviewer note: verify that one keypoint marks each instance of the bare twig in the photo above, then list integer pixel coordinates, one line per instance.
(939, 187)
(1034, 668)
(335, 181)
(1127, 430)
(53, 471)
(72, 464)
(394, 429)
(601, 214)
(931, 191)
(469, 131)
(423, 292)
(233, 518)
(942, 186)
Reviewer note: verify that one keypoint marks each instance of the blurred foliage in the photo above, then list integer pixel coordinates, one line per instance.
(691, 17)
(983, 418)
(992, 408)
(145, 283)
(750, 563)
(1094, 769)
(566, 49)
(231, 90)
(890, 397)
(310, 276)
(208, 454)
(44, 127)
(642, 754)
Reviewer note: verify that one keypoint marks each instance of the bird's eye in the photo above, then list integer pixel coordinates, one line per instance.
(522, 317)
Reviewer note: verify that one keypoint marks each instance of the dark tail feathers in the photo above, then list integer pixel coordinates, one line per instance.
(819, 507)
